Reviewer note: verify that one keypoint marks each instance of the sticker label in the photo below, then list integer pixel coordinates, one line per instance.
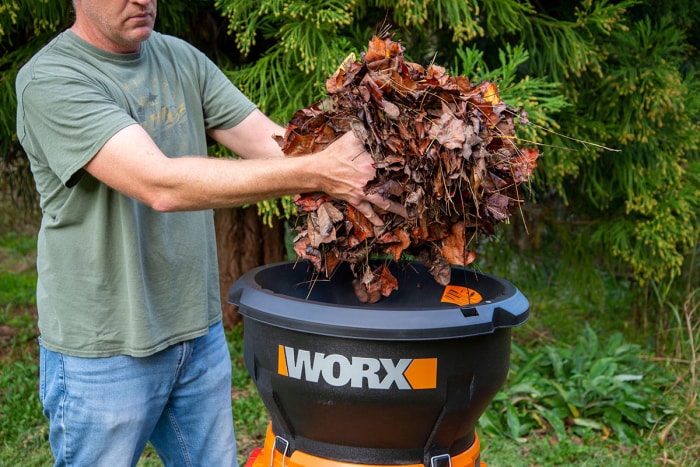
(357, 372)
(460, 295)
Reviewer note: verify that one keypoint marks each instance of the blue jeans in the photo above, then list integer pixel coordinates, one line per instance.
(103, 411)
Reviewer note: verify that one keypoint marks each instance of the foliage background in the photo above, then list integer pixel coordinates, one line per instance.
(591, 74)
(606, 232)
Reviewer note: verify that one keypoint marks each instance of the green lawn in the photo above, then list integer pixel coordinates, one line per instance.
(585, 387)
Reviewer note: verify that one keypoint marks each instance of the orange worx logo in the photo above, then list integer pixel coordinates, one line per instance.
(358, 372)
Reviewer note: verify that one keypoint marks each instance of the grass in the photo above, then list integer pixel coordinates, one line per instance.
(585, 386)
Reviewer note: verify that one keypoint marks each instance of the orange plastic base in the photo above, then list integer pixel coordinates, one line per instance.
(268, 456)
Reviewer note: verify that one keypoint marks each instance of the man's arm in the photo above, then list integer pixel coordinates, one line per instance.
(131, 163)
(252, 138)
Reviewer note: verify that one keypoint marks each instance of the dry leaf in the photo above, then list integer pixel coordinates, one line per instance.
(443, 147)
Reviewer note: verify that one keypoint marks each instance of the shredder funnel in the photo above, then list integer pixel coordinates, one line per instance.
(396, 382)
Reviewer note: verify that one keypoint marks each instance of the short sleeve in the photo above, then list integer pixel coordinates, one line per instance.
(65, 121)
(223, 103)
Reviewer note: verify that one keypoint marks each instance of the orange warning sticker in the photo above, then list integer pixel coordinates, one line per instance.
(460, 295)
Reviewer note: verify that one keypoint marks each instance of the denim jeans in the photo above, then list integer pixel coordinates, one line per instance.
(103, 411)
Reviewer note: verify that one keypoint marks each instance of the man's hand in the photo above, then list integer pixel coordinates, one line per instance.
(349, 168)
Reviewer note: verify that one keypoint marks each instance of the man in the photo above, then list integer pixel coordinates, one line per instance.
(114, 119)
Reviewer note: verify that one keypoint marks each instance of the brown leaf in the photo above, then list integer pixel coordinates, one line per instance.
(331, 262)
(303, 249)
(454, 247)
(330, 212)
(396, 248)
(362, 228)
(443, 147)
(321, 224)
(381, 49)
(391, 110)
(374, 284)
(497, 206)
(524, 164)
(449, 131)
(309, 202)
(438, 266)
(387, 281)
(365, 295)
(297, 144)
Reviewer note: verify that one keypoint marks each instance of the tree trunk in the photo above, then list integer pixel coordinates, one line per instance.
(244, 242)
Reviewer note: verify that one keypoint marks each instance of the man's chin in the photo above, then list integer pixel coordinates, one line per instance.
(137, 35)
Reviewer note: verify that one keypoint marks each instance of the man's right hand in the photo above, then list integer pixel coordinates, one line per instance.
(347, 170)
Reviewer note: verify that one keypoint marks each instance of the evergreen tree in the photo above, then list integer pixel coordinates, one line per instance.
(591, 74)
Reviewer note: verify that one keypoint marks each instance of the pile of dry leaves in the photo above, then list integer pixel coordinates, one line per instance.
(443, 147)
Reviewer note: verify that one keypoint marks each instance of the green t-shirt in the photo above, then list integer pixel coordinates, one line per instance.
(115, 276)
